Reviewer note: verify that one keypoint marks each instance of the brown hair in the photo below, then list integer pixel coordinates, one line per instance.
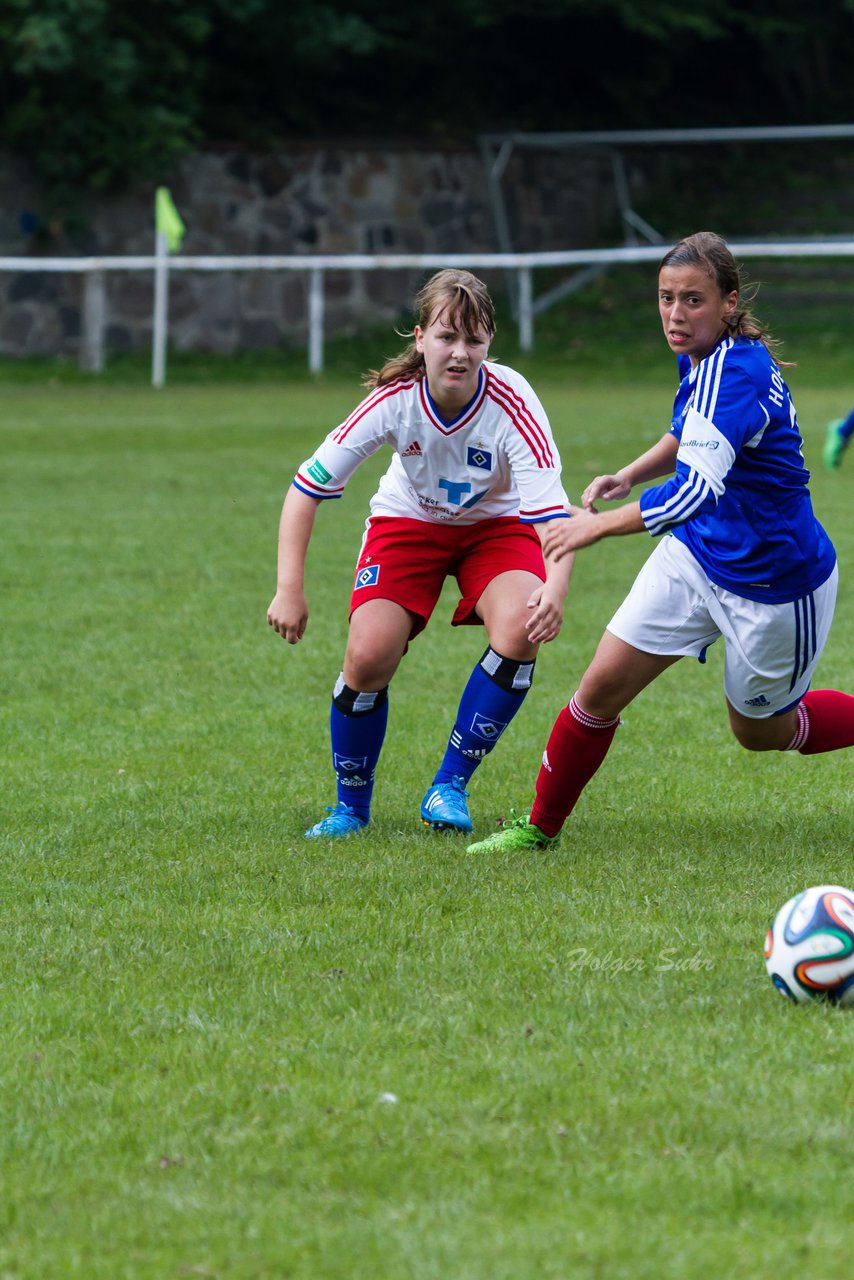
(457, 295)
(711, 252)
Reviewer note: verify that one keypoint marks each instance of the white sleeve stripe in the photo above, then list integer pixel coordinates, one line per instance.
(680, 506)
(708, 381)
(716, 372)
(688, 485)
(701, 391)
(709, 377)
(705, 449)
(755, 440)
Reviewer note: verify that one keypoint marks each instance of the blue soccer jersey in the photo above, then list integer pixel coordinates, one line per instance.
(739, 499)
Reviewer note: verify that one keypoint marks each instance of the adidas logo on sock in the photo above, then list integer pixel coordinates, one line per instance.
(412, 451)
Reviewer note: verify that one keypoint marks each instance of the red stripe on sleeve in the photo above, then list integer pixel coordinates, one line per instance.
(369, 403)
(523, 420)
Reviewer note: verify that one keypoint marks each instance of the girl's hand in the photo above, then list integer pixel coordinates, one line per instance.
(288, 615)
(606, 488)
(546, 617)
(569, 535)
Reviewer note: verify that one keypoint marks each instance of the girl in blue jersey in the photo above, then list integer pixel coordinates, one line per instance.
(741, 553)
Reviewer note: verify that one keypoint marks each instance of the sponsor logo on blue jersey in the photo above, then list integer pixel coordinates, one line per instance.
(477, 457)
(367, 577)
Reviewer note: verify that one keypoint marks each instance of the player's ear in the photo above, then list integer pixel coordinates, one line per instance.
(418, 335)
(730, 305)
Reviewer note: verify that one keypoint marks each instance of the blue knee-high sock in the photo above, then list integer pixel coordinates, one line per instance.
(357, 724)
(495, 691)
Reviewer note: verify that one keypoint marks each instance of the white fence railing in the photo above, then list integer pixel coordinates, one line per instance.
(316, 266)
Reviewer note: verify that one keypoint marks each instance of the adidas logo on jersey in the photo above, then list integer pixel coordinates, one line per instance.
(761, 701)
(412, 451)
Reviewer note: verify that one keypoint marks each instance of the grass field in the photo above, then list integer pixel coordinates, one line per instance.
(227, 1052)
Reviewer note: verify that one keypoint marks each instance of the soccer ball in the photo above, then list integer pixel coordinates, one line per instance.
(809, 949)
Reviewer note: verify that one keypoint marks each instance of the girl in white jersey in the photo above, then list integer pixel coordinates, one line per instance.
(473, 485)
(742, 556)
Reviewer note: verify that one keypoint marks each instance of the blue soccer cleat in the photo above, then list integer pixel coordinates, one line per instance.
(444, 806)
(342, 821)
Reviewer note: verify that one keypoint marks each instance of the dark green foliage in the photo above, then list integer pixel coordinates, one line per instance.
(102, 92)
(97, 93)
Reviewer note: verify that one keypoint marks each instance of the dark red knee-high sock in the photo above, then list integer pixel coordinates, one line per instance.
(825, 722)
(577, 745)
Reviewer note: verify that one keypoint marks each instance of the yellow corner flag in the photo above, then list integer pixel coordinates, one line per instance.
(167, 219)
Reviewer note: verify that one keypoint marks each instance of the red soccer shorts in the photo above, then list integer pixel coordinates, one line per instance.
(407, 561)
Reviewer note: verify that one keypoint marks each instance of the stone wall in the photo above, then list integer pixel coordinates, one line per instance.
(320, 199)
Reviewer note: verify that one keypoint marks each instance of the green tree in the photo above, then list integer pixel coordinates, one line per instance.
(102, 92)
(96, 92)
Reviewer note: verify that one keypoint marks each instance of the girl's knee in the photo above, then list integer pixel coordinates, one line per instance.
(773, 734)
(368, 667)
(748, 739)
(601, 694)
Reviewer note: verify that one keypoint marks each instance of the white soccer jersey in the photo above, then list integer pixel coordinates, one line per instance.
(496, 458)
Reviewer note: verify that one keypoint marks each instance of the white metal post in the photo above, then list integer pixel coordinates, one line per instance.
(315, 320)
(526, 309)
(94, 311)
(161, 308)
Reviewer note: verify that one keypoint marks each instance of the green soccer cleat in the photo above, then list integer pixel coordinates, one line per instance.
(517, 835)
(835, 445)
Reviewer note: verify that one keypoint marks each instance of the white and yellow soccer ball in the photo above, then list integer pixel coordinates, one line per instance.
(809, 949)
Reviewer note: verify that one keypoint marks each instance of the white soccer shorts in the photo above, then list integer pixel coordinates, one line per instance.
(673, 608)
